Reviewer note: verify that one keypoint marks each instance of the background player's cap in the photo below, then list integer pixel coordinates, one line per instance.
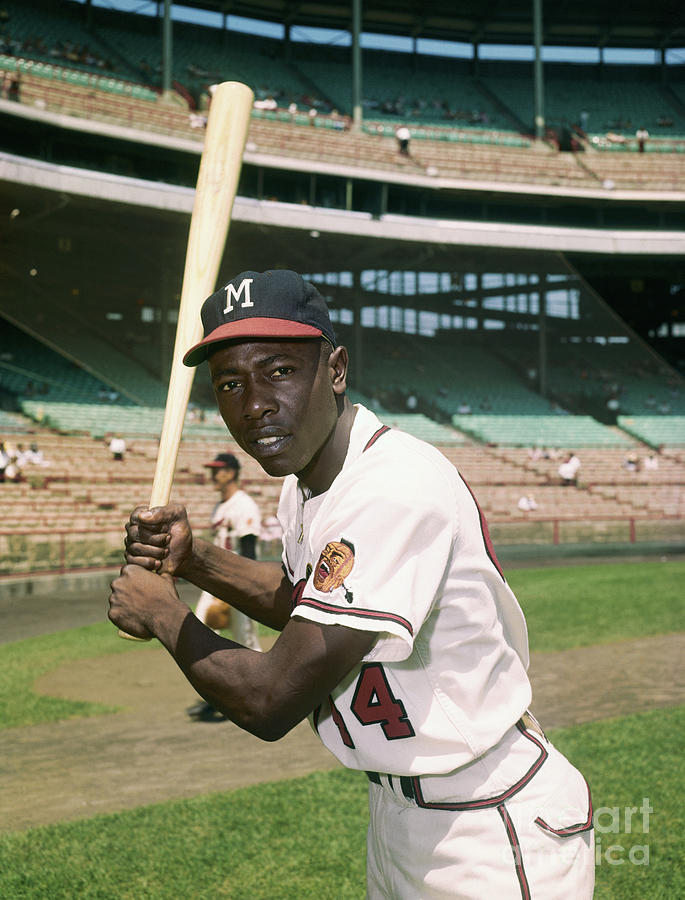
(224, 461)
(273, 304)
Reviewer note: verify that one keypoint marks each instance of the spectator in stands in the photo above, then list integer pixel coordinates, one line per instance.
(4, 459)
(613, 407)
(631, 463)
(20, 455)
(464, 408)
(236, 523)
(650, 463)
(117, 447)
(568, 470)
(197, 120)
(403, 136)
(13, 89)
(268, 103)
(642, 135)
(527, 503)
(12, 469)
(35, 457)
(412, 403)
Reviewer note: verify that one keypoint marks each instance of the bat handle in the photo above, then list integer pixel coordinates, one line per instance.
(132, 637)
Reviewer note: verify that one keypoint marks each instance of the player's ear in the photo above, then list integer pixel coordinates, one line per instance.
(338, 362)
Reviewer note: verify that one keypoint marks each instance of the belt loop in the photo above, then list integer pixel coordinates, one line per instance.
(406, 784)
(530, 723)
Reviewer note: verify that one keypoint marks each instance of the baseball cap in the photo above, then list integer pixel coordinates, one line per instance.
(277, 303)
(224, 461)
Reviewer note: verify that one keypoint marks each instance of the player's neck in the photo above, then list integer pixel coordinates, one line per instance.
(318, 476)
(229, 490)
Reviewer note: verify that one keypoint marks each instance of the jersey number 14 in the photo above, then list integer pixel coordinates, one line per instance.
(375, 704)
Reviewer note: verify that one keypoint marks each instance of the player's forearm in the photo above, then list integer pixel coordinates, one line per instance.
(253, 690)
(259, 589)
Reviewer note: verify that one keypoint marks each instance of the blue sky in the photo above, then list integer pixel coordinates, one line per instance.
(182, 13)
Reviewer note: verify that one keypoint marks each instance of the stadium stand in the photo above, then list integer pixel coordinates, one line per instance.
(618, 101)
(80, 498)
(540, 431)
(657, 431)
(448, 153)
(463, 126)
(14, 423)
(397, 86)
(85, 367)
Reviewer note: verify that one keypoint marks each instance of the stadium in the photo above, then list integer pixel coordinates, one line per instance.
(510, 285)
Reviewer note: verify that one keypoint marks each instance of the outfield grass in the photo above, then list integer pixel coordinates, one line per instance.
(565, 607)
(578, 606)
(304, 839)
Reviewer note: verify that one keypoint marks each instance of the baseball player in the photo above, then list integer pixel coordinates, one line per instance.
(236, 524)
(400, 640)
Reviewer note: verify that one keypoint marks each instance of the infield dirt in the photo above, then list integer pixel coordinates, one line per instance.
(152, 752)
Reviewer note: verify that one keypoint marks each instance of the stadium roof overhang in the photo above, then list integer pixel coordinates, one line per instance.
(595, 23)
(343, 227)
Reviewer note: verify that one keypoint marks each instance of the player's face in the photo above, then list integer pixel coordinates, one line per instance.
(222, 477)
(278, 400)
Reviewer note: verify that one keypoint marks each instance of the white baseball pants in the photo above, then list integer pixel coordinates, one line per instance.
(452, 838)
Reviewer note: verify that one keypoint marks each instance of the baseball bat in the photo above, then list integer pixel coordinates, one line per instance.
(217, 182)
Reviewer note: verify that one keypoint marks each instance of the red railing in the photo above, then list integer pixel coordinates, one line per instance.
(26, 552)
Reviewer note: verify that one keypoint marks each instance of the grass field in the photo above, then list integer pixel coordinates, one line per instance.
(304, 838)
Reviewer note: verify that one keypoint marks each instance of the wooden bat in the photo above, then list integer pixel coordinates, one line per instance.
(217, 182)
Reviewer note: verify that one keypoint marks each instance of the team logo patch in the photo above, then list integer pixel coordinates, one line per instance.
(334, 565)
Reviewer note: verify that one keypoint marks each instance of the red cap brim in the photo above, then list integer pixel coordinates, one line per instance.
(257, 327)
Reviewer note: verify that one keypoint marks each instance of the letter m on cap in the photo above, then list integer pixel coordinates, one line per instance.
(234, 294)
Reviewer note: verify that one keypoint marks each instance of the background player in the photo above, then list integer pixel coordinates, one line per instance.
(236, 524)
(400, 637)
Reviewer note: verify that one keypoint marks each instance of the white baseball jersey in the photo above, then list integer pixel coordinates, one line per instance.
(234, 518)
(398, 546)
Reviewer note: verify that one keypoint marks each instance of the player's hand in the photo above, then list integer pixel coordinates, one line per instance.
(137, 597)
(159, 539)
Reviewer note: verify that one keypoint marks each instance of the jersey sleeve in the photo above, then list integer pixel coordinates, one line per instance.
(379, 559)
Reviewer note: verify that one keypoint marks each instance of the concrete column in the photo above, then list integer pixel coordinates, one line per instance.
(539, 86)
(356, 65)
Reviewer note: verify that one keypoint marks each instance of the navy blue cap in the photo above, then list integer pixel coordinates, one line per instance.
(273, 304)
(224, 461)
